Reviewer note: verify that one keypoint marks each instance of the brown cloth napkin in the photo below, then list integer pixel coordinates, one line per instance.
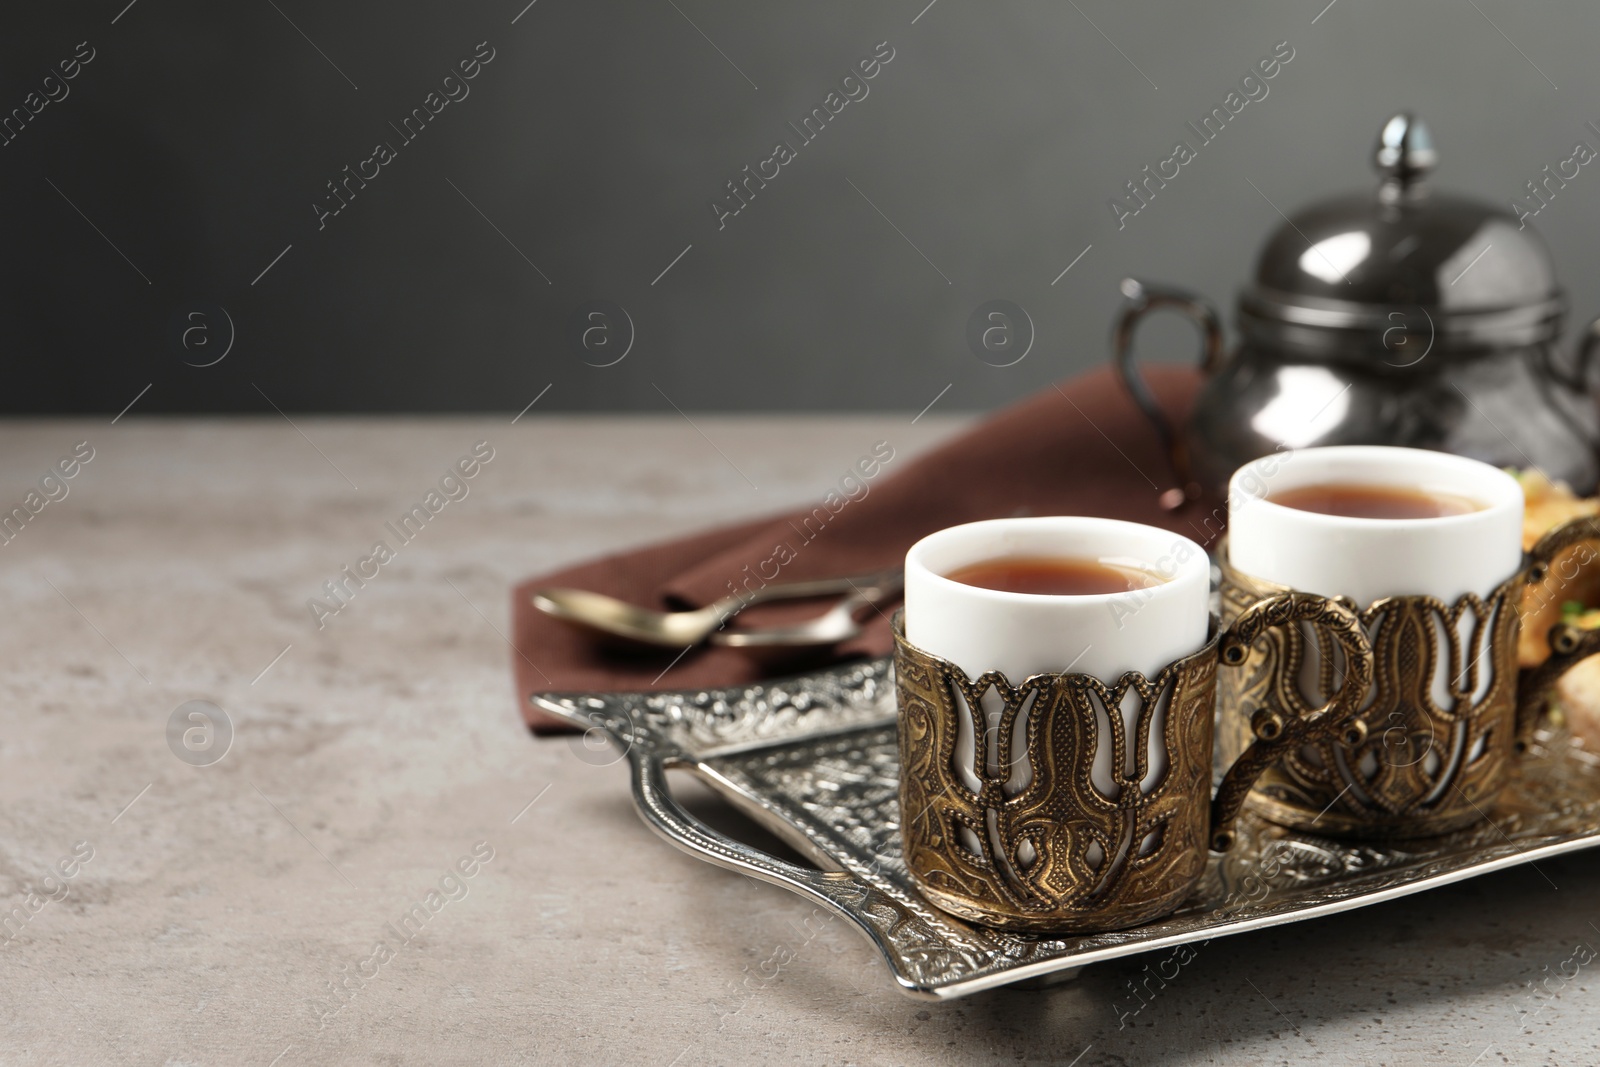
(1079, 448)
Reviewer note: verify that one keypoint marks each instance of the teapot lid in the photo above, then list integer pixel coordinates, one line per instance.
(1402, 270)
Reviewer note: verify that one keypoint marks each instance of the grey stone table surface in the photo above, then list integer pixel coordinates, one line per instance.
(196, 910)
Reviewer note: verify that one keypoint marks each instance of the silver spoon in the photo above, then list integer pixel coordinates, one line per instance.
(608, 616)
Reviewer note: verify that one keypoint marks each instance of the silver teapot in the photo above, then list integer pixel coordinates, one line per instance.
(1400, 317)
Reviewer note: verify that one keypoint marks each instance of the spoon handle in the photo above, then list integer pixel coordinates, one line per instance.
(836, 624)
(877, 585)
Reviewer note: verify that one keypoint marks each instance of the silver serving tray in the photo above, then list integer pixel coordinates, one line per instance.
(814, 759)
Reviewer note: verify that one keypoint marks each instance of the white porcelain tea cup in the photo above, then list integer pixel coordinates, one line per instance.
(1368, 559)
(1021, 634)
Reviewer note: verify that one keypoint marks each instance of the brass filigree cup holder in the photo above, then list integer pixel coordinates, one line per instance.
(1446, 713)
(1035, 845)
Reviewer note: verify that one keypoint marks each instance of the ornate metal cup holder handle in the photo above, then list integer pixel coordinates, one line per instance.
(1568, 644)
(814, 758)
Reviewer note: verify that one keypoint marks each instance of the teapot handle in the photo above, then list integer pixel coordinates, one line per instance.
(1139, 300)
(1578, 377)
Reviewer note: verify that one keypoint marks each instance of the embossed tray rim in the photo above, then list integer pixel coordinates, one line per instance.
(695, 730)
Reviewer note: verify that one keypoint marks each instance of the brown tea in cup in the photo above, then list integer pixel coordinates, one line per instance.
(1054, 576)
(1361, 500)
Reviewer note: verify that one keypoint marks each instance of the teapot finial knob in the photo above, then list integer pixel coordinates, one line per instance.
(1405, 155)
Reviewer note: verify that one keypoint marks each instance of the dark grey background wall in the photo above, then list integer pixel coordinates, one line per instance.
(179, 172)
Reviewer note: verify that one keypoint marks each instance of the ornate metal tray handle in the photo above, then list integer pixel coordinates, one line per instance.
(712, 732)
(839, 891)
